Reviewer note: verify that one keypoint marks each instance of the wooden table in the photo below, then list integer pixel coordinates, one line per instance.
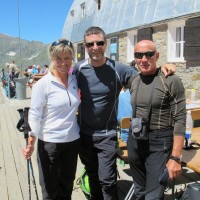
(196, 135)
(192, 157)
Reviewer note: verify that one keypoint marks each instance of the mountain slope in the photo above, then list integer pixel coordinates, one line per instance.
(23, 52)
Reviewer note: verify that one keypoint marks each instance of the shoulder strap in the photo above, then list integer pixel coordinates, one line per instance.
(150, 100)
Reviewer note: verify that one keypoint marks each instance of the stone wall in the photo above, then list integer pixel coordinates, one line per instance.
(160, 39)
(190, 78)
(123, 47)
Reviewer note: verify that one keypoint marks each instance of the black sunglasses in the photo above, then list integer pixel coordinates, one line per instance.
(91, 44)
(148, 54)
(65, 42)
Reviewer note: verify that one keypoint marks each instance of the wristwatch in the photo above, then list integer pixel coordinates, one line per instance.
(175, 158)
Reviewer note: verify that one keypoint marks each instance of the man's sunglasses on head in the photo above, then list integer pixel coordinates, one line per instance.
(148, 54)
(91, 44)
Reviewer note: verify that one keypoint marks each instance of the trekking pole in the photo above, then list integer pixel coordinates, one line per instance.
(33, 179)
(23, 126)
(27, 128)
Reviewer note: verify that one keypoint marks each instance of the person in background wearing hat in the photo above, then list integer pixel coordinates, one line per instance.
(53, 121)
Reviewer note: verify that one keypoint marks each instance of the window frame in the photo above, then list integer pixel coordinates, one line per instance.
(172, 41)
(131, 41)
(98, 4)
(83, 9)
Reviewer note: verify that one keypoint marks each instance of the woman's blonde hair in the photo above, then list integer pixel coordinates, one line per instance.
(57, 47)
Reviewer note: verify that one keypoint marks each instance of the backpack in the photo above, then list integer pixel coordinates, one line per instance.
(192, 192)
(83, 181)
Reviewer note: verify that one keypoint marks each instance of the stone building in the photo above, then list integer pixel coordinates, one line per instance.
(174, 25)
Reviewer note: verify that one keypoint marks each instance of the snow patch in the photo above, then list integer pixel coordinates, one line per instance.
(11, 53)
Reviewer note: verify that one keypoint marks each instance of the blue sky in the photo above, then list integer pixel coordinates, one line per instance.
(40, 20)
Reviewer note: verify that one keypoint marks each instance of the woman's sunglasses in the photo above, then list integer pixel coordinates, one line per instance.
(91, 44)
(65, 42)
(148, 54)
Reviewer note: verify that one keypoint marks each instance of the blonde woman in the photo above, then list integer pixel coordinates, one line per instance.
(52, 118)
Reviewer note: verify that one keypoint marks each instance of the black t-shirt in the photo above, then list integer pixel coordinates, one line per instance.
(100, 88)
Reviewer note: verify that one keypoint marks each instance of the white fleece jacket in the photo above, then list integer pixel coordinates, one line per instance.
(52, 115)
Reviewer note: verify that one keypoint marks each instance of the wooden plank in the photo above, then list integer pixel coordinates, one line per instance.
(191, 159)
(195, 114)
(192, 22)
(13, 185)
(125, 122)
(195, 134)
(3, 182)
(190, 51)
(192, 37)
(122, 144)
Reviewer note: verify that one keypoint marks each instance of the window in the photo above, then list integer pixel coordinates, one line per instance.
(131, 41)
(72, 13)
(176, 41)
(114, 48)
(83, 10)
(98, 4)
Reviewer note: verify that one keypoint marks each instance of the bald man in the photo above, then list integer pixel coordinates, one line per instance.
(159, 101)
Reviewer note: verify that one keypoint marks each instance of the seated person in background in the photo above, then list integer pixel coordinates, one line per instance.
(35, 70)
(30, 69)
(124, 110)
(44, 70)
(38, 76)
(25, 72)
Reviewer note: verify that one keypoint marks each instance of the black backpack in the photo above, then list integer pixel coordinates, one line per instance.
(192, 192)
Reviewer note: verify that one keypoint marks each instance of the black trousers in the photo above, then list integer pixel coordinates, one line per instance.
(147, 159)
(98, 154)
(57, 164)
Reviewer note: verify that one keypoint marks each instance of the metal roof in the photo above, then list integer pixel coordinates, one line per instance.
(118, 15)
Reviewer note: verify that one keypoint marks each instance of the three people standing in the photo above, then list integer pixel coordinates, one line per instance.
(53, 119)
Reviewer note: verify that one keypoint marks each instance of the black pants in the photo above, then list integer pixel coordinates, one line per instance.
(147, 160)
(98, 154)
(57, 164)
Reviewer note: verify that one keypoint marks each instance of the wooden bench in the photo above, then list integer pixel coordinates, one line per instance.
(191, 157)
(195, 114)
